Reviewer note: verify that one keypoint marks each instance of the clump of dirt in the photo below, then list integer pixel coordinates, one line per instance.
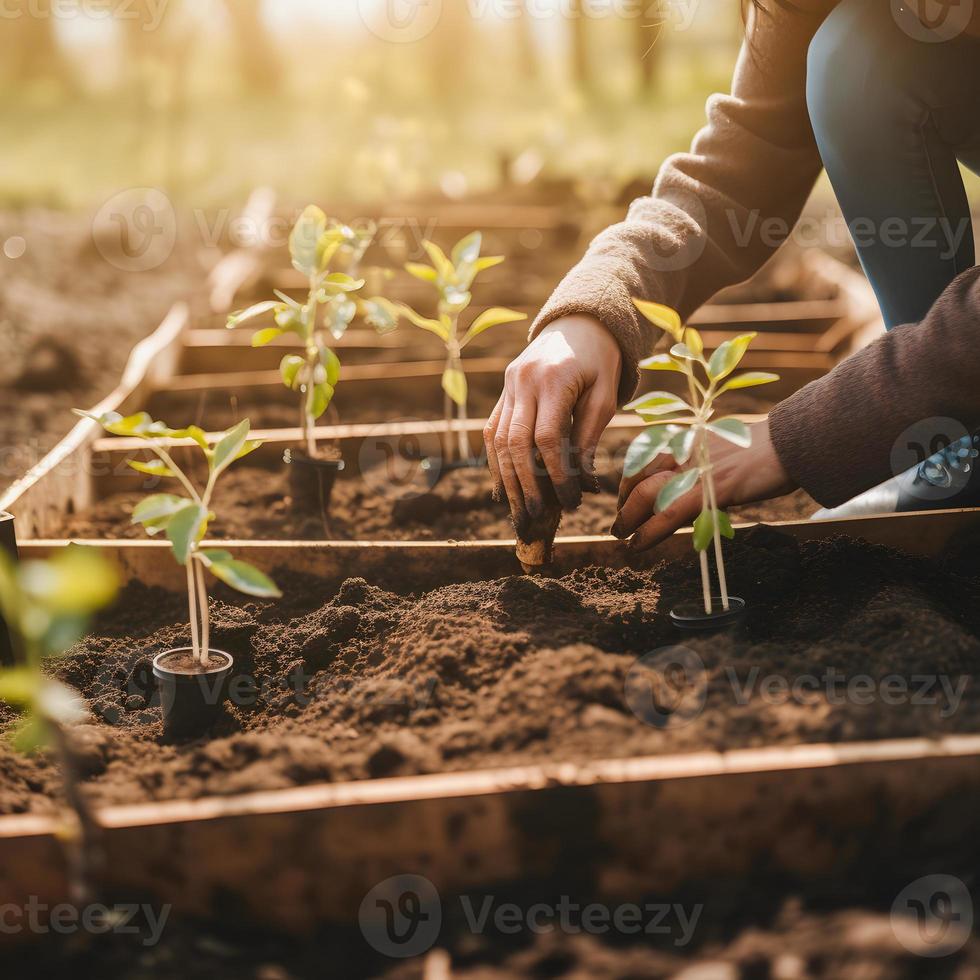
(254, 503)
(366, 683)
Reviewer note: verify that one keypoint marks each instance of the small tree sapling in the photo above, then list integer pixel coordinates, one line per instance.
(185, 518)
(452, 277)
(47, 606)
(329, 307)
(681, 427)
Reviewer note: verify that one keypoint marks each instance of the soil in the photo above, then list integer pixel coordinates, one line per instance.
(366, 683)
(255, 503)
(68, 320)
(787, 938)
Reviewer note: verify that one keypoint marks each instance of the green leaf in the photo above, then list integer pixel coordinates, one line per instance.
(467, 249)
(229, 446)
(676, 488)
(658, 403)
(263, 337)
(30, 735)
(60, 703)
(725, 524)
(155, 512)
(661, 316)
(726, 358)
(704, 530)
(152, 467)
(424, 272)
(243, 577)
(215, 554)
(748, 379)
(487, 262)
(79, 580)
(248, 448)
(645, 448)
(339, 282)
(331, 364)
(186, 529)
(734, 430)
(660, 362)
(322, 396)
(194, 432)
(380, 313)
(289, 368)
(251, 313)
(338, 314)
(683, 352)
(433, 326)
(19, 686)
(681, 445)
(693, 341)
(304, 241)
(491, 318)
(438, 258)
(454, 384)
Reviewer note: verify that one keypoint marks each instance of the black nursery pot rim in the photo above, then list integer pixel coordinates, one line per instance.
(299, 457)
(189, 676)
(691, 617)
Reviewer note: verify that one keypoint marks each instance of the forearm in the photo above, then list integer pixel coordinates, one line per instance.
(708, 222)
(835, 437)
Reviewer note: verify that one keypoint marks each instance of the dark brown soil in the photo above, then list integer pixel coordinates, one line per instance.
(366, 683)
(255, 503)
(792, 941)
(68, 320)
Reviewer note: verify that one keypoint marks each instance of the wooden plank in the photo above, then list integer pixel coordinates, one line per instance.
(296, 859)
(431, 564)
(8, 545)
(61, 481)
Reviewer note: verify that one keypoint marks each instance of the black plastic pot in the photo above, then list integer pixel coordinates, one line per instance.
(691, 617)
(311, 480)
(192, 697)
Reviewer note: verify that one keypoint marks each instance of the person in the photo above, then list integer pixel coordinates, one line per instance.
(884, 99)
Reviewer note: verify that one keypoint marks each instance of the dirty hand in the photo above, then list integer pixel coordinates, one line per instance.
(558, 397)
(742, 476)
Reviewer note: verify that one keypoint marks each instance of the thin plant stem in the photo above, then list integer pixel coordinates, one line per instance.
(462, 415)
(448, 409)
(85, 855)
(202, 591)
(705, 571)
(192, 603)
(177, 471)
(719, 557)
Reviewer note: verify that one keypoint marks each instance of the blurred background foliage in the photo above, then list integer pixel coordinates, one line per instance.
(209, 98)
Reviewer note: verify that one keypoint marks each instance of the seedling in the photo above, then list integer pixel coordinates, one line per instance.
(47, 606)
(332, 302)
(185, 518)
(682, 428)
(452, 277)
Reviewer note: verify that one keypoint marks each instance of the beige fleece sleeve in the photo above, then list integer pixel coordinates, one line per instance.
(708, 222)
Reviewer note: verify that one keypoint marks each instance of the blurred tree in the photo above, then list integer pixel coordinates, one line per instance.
(527, 51)
(29, 47)
(578, 26)
(649, 28)
(451, 43)
(258, 60)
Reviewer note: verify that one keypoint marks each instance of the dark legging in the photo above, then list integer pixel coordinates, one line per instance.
(892, 114)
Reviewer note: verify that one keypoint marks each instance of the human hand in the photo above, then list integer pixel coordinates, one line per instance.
(558, 397)
(741, 476)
